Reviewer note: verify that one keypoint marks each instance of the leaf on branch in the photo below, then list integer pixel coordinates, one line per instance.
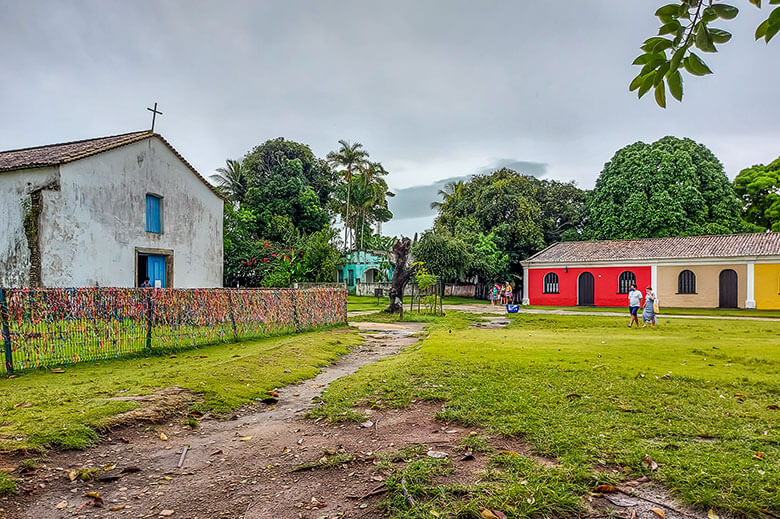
(668, 10)
(696, 66)
(677, 57)
(675, 85)
(660, 94)
(719, 35)
(757, 3)
(670, 27)
(727, 12)
(647, 84)
(703, 39)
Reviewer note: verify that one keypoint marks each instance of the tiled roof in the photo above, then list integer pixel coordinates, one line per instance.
(730, 245)
(57, 154)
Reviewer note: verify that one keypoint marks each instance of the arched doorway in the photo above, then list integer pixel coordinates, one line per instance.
(586, 288)
(371, 275)
(727, 283)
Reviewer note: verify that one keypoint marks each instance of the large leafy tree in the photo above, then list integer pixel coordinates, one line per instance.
(457, 258)
(521, 213)
(687, 25)
(672, 187)
(758, 188)
(279, 231)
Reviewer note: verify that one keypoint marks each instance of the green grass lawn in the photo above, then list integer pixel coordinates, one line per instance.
(595, 395)
(42, 409)
(366, 303)
(669, 311)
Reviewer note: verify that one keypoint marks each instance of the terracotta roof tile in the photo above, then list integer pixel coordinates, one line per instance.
(57, 154)
(757, 244)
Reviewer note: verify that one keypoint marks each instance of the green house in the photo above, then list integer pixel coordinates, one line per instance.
(365, 267)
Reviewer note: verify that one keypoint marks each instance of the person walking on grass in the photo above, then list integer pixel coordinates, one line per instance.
(508, 293)
(494, 294)
(634, 302)
(648, 314)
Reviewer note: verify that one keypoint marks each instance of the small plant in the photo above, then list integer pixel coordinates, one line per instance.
(7, 485)
(30, 464)
(475, 443)
(191, 422)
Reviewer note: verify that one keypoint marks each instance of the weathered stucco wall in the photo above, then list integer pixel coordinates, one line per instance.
(91, 227)
(707, 285)
(15, 190)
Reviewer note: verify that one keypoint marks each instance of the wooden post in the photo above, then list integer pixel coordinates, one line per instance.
(9, 361)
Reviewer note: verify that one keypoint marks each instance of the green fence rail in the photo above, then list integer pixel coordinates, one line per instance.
(54, 327)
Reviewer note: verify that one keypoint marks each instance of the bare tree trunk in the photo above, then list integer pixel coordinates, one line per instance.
(401, 275)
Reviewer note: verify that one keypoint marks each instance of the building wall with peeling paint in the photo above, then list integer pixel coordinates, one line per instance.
(92, 228)
(15, 190)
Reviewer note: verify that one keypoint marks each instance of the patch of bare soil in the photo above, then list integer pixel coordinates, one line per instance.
(641, 499)
(491, 323)
(154, 408)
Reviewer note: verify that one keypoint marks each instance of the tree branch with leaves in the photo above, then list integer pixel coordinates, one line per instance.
(685, 26)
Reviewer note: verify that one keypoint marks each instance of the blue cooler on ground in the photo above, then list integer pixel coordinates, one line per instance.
(512, 309)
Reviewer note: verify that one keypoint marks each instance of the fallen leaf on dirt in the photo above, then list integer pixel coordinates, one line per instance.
(109, 466)
(572, 395)
(437, 454)
(648, 462)
(773, 407)
(61, 505)
(659, 512)
(511, 453)
(72, 475)
(164, 437)
(367, 424)
(487, 514)
(605, 488)
(92, 494)
(215, 453)
(632, 483)
(58, 370)
(166, 513)
(167, 478)
(246, 438)
(23, 404)
(286, 450)
(130, 470)
(712, 515)
(643, 479)
(117, 508)
(758, 455)
(272, 393)
(124, 440)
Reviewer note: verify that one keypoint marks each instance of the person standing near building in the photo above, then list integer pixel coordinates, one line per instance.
(648, 315)
(634, 302)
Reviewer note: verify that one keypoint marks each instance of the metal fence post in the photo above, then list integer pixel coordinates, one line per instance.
(9, 361)
(232, 315)
(149, 319)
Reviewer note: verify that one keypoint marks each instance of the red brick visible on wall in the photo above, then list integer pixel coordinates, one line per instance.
(605, 280)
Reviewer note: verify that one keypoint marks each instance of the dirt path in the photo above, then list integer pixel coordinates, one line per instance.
(500, 309)
(237, 468)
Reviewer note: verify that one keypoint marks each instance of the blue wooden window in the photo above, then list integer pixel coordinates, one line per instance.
(153, 216)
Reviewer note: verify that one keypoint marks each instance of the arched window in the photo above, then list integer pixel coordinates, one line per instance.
(625, 281)
(551, 283)
(686, 282)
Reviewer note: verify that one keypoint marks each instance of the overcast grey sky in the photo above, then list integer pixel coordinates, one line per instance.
(433, 89)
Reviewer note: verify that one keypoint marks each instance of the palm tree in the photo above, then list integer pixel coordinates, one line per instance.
(231, 180)
(352, 157)
(451, 191)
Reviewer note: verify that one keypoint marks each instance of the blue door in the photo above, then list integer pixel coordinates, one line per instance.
(155, 269)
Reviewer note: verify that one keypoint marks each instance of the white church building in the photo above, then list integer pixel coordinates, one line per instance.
(109, 211)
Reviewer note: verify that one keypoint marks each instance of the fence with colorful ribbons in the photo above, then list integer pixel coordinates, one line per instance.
(49, 327)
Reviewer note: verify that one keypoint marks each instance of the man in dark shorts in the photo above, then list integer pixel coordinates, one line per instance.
(634, 302)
